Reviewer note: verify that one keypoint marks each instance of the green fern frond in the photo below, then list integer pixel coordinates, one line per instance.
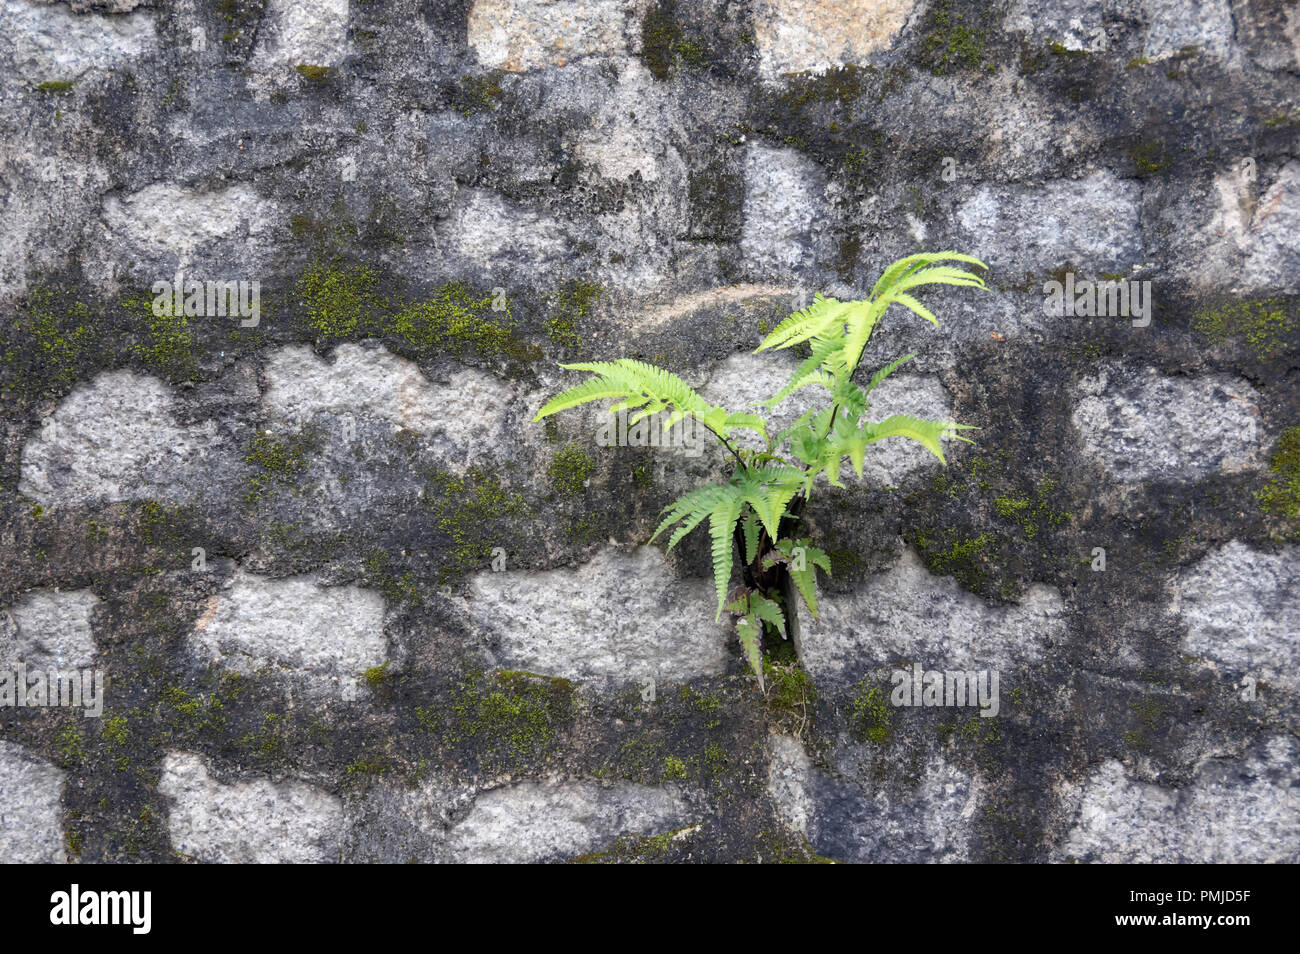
(824, 317)
(636, 385)
(802, 572)
(926, 433)
(886, 371)
(750, 527)
(722, 523)
(810, 370)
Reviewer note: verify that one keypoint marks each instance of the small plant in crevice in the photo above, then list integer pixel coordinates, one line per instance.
(758, 511)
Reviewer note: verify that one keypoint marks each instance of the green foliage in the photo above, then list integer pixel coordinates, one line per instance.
(768, 488)
(344, 302)
(169, 344)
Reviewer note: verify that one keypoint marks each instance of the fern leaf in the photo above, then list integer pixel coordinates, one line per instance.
(722, 522)
(890, 276)
(769, 611)
(810, 371)
(926, 433)
(886, 371)
(768, 490)
(750, 526)
(824, 317)
(749, 630)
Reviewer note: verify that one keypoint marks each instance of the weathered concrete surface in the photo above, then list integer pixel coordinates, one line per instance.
(1232, 812)
(49, 630)
(255, 822)
(907, 615)
(1142, 425)
(662, 180)
(327, 636)
(620, 618)
(30, 790)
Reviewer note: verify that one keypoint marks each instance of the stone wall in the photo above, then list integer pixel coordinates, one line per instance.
(353, 605)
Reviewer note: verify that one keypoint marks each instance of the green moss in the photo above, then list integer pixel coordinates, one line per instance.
(1280, 497)
(790, 690)
(55, 86)
(49, 344)
(509, 719)
(281, 460)
(673, 768)
(363, 768)
(953, 38)
(709, 704)
(976, 729)
(116, 735)
(634, 849)
(714, 760)
(70, 744)
(1150, 158)
(782, 847)
(186, 711)
(870, 715)
(344, 302)
(315, 74)
(572, 305)
(1059, 49)
(455, 320)
(284, 457)
(477, 94)
(1029, 513)
(375, 676)
(964, 558)
(340, 299)
(569, 470)
(664, 44)
(471, 511)
(269, 740)
(169, 346)
(1137, 62)
(1265, 325)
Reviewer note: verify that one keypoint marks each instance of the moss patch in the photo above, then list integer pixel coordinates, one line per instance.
(569, 470)
(49, 345)
(169, 346)
(478, 94)
(315, 74)
(344, 302)
(508, 719)
(1150, 158)
(953, 38)
(572, 305)
(1280, 497)
(1264, 325)
(471, 513)
(870, 715)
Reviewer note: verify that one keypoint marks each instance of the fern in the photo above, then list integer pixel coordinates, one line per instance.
(768, 488)
(649, 390)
